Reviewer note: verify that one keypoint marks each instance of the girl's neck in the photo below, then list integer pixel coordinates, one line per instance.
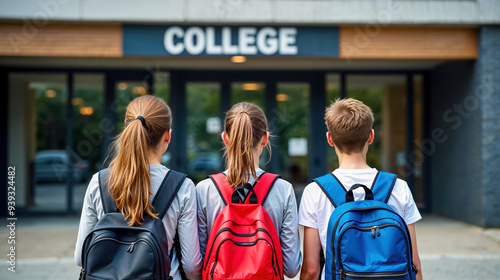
(256, 155)
(154, 158)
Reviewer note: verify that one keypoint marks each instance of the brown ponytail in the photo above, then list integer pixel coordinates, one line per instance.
(245, 126)
(129, 178)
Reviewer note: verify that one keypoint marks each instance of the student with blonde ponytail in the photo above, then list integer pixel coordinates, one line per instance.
(245, 135)
(134, 179)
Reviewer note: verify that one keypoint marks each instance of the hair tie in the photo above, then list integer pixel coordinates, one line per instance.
(245, 112)
(143, 121)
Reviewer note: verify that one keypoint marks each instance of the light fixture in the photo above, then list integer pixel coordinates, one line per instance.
(86, 111)
(250, 86)
(238, 59)
(122, 86)
(77, 101)
(330, 86)
(281, 97)
(139, 90)
(50, 93)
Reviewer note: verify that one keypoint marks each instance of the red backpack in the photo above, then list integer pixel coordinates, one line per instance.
(243, 243)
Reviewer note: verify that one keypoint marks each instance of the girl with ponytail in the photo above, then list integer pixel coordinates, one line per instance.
(135, 175)
(245, 135)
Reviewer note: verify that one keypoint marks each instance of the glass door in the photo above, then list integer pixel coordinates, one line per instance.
(387, 96)
(292, 131)
(37, 140)
(125, 92)
(253, 92)
(204, 144)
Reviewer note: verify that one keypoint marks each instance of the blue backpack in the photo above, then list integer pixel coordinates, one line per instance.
(366, 239)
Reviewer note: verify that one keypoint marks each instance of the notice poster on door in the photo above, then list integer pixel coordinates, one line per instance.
(297, 147)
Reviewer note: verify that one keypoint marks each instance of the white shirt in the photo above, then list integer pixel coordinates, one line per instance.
(315, 208)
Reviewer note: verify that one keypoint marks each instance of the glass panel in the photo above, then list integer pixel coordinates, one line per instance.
(162, 86)
(248, 92)
(293, 109)
(162, 90)
(126, 91)
(253, 92)
(386, 96)
(88, 100)
(204, 144)
(37, 140)
(417, 160)
(332, 94)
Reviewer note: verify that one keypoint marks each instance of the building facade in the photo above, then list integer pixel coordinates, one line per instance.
(430, 70)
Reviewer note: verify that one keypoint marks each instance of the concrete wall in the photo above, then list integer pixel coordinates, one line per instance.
(17, 153)
(255, 11)
(465, 161)
(487, 86)
(455, 156)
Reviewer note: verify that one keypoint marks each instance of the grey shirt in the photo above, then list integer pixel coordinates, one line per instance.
(281, 206)
(181, 216)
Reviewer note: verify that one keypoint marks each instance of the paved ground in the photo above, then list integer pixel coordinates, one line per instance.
(449, 249)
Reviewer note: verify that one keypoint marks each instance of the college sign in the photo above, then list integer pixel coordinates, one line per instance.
(183, 40)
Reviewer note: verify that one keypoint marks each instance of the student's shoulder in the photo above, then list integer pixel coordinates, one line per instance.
(93, 186)
(313, 192)
(204, 185)
(282, 184)
(401, 191)
(187, 185)
(313, 187)
(401, 186)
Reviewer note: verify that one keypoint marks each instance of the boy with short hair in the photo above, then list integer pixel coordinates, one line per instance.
(350, 132)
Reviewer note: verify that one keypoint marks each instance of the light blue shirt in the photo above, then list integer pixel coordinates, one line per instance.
(180, 216)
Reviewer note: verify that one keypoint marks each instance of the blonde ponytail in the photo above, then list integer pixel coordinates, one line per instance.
(245, 126)
(146, 120)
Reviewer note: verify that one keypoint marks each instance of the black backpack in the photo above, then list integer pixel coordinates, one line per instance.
(115, 250)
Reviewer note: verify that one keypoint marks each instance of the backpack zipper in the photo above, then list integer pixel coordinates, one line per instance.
(242, 244)
(343, 273)
(130, 248)
(374, 275)
(375, 229)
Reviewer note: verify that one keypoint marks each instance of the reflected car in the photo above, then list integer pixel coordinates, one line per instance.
(52, 165)
(206, 165)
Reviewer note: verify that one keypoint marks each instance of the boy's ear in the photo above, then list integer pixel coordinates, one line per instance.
(265, 139)
(371, 137)
(224, 138)
(329, 139)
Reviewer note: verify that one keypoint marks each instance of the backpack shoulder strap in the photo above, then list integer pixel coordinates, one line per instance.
(108, 203)
(168, 190)
(382, 186)
(263, 186)
(222, 186)
(333, 188)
